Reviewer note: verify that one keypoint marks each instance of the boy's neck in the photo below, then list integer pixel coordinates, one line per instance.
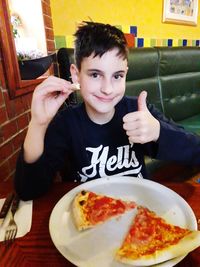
(100, 118)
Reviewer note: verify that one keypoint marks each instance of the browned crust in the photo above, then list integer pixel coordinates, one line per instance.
(78, 210)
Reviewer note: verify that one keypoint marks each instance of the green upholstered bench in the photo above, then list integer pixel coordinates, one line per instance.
(171, 76)
(179, 76)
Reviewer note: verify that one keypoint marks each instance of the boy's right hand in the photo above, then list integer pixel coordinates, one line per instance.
(48, 98)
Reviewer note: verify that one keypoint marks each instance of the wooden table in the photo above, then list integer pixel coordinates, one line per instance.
(36, 249)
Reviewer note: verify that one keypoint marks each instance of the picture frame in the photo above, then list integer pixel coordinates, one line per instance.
(180, 11)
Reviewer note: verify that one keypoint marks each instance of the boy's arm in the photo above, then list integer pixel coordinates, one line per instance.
(34, 172)
(34, 142)
(177, 144)
(34, 179)
(163, 138)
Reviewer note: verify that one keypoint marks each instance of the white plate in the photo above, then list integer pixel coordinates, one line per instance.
(97, 247)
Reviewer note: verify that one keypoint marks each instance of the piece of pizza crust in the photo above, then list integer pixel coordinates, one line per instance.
(78, 212)
(90, 209)
(151, 240)
(76, 86)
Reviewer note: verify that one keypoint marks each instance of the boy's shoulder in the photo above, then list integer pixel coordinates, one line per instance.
(67, 114)
(66, 111)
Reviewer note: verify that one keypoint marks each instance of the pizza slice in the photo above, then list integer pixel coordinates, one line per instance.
(151, 240)
(90, 209)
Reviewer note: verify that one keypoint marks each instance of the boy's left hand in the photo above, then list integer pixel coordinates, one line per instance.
(141, 126)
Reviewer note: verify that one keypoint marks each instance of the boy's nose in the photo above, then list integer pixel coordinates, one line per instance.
(107, 87)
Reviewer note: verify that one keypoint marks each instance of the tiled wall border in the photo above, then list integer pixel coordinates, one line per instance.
(131, 33)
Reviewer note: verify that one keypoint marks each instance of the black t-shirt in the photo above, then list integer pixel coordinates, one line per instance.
(83, 150)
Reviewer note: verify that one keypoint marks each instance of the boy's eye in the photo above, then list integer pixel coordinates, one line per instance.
(118, 76)
(94, 74)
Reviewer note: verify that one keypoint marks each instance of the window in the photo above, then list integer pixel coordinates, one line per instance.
(15, 84)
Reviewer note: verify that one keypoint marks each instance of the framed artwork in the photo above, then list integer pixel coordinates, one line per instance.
(180, 11)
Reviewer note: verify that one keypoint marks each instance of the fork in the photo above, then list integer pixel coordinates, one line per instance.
(11, 229)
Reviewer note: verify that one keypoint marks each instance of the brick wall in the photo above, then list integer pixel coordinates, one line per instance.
(14, 118)
(15, 114)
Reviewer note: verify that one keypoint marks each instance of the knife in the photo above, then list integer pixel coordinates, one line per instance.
(15, 204)
(5, 208)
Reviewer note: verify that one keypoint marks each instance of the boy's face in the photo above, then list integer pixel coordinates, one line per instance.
(102, 80)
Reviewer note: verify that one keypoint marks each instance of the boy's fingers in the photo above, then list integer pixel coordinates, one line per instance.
(55, 86)
(142, 106)
(61, 98)
(131, 117)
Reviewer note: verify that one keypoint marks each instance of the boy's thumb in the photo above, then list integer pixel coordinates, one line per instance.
(142, 106)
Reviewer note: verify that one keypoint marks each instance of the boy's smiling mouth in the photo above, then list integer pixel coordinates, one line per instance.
(105, 99)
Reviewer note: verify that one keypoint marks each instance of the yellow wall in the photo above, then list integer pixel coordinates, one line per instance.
(145, 14)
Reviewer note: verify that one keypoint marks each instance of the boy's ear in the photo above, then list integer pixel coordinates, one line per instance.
(74, 73)
(127, 70)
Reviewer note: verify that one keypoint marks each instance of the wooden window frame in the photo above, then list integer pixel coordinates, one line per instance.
(14, 84)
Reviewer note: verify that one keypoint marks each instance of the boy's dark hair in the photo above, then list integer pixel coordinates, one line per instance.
(98, 38)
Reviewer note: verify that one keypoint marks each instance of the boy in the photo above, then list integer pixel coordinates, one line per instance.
(108, 134)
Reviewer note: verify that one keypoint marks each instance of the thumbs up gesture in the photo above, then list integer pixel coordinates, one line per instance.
(141, 126)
